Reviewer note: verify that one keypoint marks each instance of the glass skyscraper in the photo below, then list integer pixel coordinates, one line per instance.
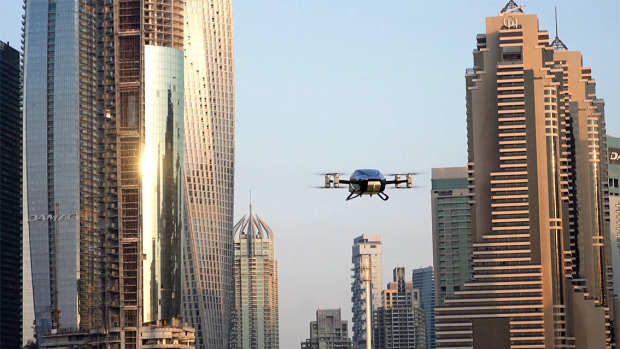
(10, 198)
(61, 162)
(209, 169)
(140, 107)
(451, 230)
(423, 280)
(255, 320)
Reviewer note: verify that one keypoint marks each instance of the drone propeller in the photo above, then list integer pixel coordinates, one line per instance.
(330, 173)
(404, 173)
(390, 187)
(324, 187)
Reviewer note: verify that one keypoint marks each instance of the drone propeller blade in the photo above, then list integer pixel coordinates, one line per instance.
(332, 187)
(330, 173)
(404, 174)
(403, 187)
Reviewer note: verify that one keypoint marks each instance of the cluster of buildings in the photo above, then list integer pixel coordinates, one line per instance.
(116, 197)
(526, 237)
(116, 182)
(399, 316)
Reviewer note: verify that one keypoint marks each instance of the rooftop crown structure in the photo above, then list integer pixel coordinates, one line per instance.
(255, 311)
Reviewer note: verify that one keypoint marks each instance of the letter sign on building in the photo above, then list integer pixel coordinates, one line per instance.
(52, 218)
(510, 22)
(614, 156)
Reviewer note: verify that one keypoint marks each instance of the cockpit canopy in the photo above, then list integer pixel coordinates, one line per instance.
(367, 173)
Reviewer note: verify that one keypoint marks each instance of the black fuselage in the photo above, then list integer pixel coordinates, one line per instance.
(367, 182)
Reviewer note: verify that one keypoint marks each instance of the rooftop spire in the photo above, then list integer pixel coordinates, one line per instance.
(557, 44)
(511, 6)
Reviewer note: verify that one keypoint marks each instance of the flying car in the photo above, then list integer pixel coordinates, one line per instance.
(368, 182)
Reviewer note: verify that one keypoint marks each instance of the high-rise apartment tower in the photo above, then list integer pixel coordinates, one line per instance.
(613, 157)
(209, 169)
(10, 197)
(399, 323)
(365, 245)
(254, 322)
(423, 280)
(537, 166)
(451, 230)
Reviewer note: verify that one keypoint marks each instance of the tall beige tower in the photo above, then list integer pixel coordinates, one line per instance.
(209, 169)
(538, 195)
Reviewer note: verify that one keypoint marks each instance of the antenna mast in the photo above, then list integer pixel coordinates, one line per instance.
(556, 21)
(557, 44)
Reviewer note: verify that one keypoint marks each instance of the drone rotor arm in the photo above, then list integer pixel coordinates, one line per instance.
(395, 181)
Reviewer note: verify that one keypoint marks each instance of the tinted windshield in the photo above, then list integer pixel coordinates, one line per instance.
(369, 172)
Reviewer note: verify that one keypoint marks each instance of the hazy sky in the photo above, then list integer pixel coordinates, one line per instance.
(339, 85)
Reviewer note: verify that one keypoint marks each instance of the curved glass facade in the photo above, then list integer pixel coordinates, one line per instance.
(162, 182)
(208, 43)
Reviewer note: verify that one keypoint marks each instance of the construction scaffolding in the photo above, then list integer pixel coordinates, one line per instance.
(121, 102)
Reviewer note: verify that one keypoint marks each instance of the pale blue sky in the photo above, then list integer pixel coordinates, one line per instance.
(343, 84)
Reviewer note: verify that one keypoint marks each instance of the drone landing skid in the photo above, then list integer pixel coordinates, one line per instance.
(382, 195)
(351, 197)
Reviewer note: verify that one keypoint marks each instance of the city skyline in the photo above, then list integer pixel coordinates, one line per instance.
(278, 210)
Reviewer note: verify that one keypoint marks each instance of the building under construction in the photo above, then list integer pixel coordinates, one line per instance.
(155, 335)
(104, 162)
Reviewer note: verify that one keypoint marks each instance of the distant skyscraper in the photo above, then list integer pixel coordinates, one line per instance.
(209, 168)
(542, 273)
(365, 245)
(255, 308)
(10, 198)
(399, 322)
(328, 331)
(451, 230)
(423, 280)
(613, 169)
